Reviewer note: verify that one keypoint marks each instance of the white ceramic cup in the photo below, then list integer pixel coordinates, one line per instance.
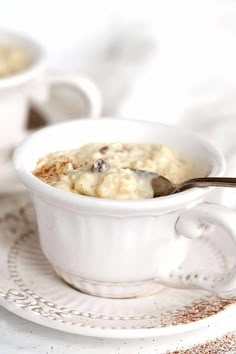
(32, 84)
(115, 248)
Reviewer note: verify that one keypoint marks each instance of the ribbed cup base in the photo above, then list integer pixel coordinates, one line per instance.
(108, 289)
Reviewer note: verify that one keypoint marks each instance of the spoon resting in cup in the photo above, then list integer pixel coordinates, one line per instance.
(162, 186)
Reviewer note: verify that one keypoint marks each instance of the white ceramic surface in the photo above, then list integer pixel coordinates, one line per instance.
(30, 288)
(17, 90)
(116, 248)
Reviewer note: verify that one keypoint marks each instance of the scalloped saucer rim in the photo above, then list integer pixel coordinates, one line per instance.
(127, 334)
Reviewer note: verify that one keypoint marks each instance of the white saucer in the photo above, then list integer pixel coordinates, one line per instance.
(30, 289)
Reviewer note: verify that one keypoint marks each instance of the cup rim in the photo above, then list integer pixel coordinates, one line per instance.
(109, 206)
(26, 74)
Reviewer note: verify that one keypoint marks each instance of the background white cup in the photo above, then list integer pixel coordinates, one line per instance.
(32, 84)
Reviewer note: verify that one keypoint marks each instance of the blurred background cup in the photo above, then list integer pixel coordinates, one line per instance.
(25, 97)
(32, 85)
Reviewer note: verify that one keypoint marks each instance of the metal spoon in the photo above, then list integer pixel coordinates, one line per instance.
(162, 186)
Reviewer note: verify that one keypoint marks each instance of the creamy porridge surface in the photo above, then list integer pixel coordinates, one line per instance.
(12, 60)
(103, 170)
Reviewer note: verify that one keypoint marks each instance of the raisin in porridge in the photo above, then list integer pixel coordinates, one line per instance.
(12, 60)
(104, 170)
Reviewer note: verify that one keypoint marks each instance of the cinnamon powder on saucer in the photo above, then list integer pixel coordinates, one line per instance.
(223, 345)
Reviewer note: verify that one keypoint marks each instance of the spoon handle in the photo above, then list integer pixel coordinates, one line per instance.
(207, 182)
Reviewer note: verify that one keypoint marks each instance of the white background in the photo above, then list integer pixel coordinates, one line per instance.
(170, 56)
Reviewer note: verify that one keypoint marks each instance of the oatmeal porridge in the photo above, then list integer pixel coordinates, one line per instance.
(12, 60)
(105, 170)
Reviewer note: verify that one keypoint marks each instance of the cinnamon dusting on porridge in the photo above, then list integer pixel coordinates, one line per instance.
(104, 170)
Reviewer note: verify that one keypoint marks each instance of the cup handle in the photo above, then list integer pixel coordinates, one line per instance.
(86, 89)
(190, 224)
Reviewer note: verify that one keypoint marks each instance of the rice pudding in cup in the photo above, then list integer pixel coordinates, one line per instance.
(113, 170)
(13, 59)
(124, 248)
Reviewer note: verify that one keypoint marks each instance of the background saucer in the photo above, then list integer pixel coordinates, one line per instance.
(9, 182)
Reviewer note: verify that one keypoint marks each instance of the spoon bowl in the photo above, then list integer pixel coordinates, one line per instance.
(162, 186)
